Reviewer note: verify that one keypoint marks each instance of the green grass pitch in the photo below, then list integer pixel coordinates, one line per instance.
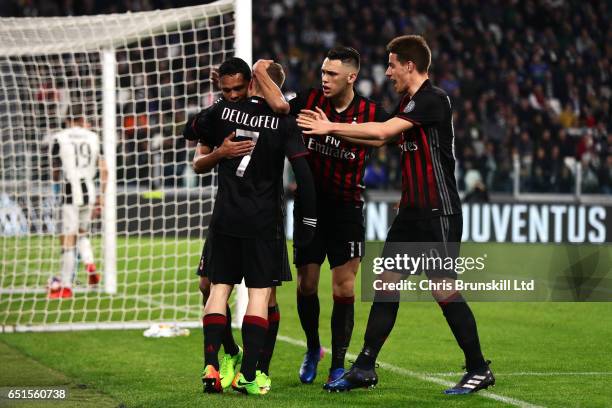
(544, 354)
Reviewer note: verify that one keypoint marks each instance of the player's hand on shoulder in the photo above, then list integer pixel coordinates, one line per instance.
(314, 122)
(317, 114)
(214, 76)
(230, 148)
(262, 65)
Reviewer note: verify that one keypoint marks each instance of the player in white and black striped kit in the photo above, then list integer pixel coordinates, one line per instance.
(76, 157)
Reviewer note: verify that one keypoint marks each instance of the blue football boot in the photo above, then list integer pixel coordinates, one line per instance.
(308, 369)
(334, 374)
(354, 378)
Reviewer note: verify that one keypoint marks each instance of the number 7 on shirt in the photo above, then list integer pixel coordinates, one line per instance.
(242, 135)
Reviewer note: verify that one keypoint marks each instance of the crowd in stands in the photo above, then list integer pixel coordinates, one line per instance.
(530, 81)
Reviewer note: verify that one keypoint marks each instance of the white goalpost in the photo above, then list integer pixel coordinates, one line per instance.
(139, 77)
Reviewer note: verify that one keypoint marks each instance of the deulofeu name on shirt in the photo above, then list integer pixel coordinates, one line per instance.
(243, 118)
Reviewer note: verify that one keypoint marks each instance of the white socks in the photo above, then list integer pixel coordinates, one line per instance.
(85, 250)
(68, 266)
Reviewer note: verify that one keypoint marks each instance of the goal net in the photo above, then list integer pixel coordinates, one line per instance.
(138, 77)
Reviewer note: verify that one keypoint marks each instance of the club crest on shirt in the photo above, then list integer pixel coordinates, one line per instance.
(409, 107)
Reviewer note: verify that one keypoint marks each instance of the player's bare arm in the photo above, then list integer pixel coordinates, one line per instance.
(380, 133)
(103, 170)
(320, 115)
(271, 92)
(205, 159)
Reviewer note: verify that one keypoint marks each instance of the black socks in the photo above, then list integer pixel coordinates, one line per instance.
(342, 322)
(308, 310)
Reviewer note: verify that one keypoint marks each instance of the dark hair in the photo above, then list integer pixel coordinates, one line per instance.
(276, 73)
(75, 109)
(233, 66)
(411, 48)
(347, 55)
(76, 112)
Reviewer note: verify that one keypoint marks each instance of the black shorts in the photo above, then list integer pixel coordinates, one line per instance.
(442, 229)
(446, 228)
(262, 263)
(340, 236)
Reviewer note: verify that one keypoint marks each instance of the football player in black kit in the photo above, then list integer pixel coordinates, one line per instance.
(338, 168)
(246, 238)
(430, 208)
(232, 78)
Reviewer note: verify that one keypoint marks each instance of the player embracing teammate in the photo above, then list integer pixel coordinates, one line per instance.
(248, 142)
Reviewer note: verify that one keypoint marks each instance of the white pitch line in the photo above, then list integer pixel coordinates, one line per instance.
(532, 373)
(424, 377)
(385, 366)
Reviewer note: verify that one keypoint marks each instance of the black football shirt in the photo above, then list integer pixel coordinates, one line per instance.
(249, 200)
(429, 187)
(337, 166)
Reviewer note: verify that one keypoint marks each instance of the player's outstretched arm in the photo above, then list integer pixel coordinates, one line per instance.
(205, 159)
(320, 115)
(384, 131)
(271, 92)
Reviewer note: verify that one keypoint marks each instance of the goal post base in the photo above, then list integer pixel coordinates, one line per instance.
(64, 327)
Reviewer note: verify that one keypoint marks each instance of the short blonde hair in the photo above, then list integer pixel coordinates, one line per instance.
(276, 73)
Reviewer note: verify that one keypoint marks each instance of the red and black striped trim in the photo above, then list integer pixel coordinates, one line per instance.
(214, 318)
(421, 187)
(273, 317)
(455, 297)
(433, 193)
(408, 197)
(344, 300)
(256, 321)
(339, 178)
(343, 170)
